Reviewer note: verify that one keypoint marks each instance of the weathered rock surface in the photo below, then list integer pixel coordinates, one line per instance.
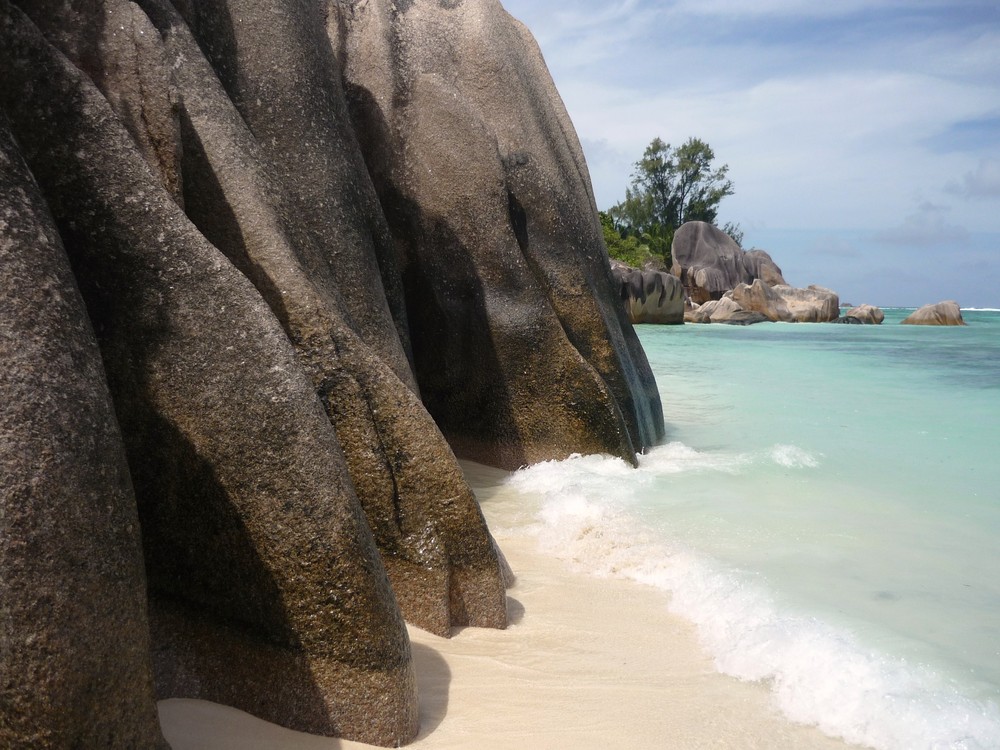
(762, 298)
(867, 314)
(510, 300)
(725, 310)
(275, 280)
(709, 263)
(254, 540)
(813, 304)
(939, 314)
(650, 296)
(439, 555)
(71, 571)
(788, 304)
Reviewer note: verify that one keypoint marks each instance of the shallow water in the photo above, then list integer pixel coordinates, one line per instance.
(826, 510)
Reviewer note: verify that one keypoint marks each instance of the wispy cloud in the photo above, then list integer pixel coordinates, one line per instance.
(982, 182)
(839, 116)
(928, 226)
(813, 109)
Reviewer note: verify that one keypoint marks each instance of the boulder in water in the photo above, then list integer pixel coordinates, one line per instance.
(762, 298)
(814, 304)
(946, 313)
(867, 314)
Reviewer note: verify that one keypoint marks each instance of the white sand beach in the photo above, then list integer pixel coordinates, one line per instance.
(587, 663)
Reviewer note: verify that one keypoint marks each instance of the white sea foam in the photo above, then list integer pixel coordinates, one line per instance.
(818, 674)
(792, 457)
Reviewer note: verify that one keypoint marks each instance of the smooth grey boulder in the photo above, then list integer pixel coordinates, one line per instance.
(650, 296)
(266, 589)
(743, 318)
(442, 562)
(866, 314)
(709, 263)
(71, 571)
(946, 313)
(521, 347)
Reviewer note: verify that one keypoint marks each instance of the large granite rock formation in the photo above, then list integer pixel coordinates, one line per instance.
(71, 570)
(271, 322)
(254, 540)
(650, 296)
(253, 211)
(946, 313)
(709, 262)
(509, 296)
(711, 266)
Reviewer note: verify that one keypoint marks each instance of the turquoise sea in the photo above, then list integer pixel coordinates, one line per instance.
(826, 510)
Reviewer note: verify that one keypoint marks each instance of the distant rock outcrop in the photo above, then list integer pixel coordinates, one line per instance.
(263, 274)
(787, 304)
(764, 299)
(939, 314)
(650, 296)
(813, 304)
(725, 310)
(709, 263)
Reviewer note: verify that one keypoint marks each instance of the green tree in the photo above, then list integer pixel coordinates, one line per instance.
(671, 186)
(628, 249)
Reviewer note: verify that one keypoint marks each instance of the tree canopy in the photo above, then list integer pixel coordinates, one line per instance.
(670, 186)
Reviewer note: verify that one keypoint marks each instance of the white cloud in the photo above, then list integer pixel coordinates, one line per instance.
(817, 131)
(783, 8)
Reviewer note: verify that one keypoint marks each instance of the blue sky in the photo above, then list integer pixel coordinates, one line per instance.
(863, 138)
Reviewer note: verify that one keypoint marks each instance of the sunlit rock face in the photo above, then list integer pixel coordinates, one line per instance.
(520, 346)
(812, 304)
(946, 313)
(788, 304)
(281, 284)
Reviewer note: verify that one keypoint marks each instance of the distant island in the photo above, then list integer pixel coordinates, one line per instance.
(713, 280)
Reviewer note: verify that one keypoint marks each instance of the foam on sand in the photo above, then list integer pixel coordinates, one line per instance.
(588, 663)
(818, 674)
